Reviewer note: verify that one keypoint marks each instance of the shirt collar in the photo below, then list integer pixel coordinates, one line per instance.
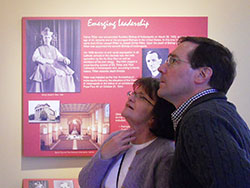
(177, 114)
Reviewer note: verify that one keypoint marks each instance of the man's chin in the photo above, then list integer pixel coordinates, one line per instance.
(160, 93)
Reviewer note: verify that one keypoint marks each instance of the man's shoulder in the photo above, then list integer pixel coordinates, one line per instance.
(213, 105)
(214, 111)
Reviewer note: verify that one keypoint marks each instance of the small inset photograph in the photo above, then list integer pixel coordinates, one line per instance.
(53, 56)
(81, 127)
(63, 184)
(38, 184)
(44, 111)
(152, 58)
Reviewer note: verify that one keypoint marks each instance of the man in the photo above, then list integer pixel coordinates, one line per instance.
(153, 60)
(212, 140)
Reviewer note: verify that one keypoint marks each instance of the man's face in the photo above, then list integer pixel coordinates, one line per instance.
(47, 39)
(177, 79)
(153, 62)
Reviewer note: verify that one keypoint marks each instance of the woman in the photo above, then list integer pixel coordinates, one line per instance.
(52, 73)
(139, 156)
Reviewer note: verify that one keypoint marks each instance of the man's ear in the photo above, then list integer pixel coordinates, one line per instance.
(203, 75)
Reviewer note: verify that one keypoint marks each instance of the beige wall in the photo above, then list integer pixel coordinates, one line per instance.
(228, 22)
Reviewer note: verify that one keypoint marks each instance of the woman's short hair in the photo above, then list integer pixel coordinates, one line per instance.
(162, 125)
(150, 86)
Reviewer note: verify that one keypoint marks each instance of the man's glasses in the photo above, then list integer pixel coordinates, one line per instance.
(173, 60)
(139, 96)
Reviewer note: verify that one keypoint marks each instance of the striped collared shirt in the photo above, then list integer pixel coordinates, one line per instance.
(177, 114)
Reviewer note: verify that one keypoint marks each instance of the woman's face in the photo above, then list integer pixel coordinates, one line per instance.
(47, 39)
(138, 107)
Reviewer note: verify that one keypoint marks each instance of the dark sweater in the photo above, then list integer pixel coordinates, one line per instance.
(212, 147)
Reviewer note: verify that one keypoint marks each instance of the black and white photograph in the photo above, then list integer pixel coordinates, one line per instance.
(53, 56)
(152, 58)
(63, 184)
(44, 111)
(38, 184)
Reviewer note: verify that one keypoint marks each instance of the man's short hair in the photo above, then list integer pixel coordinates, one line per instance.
(210, 53)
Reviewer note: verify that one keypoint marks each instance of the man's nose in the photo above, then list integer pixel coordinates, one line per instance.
(163, 68)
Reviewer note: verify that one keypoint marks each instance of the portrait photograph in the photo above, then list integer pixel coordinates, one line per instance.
(152, 58)
(53, 56)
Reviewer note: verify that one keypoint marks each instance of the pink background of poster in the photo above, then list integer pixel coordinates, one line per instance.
(110, 60)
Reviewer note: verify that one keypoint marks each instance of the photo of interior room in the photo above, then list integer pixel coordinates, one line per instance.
(81, 127)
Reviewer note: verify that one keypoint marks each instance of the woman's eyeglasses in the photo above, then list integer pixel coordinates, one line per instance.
(139, 96)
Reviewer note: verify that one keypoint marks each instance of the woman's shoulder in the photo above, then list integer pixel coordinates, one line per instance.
(111, 136)
(163, 145)
(159, 150)
(164, 141)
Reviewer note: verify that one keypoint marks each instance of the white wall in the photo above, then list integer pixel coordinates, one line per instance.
(228, 22)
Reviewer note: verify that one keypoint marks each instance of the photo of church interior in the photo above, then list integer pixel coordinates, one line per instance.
(81, 127)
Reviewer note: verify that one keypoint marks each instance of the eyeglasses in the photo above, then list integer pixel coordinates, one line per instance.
(173, 60)
(139, 96)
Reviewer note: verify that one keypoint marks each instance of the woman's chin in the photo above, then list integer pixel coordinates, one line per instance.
(126, 111)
